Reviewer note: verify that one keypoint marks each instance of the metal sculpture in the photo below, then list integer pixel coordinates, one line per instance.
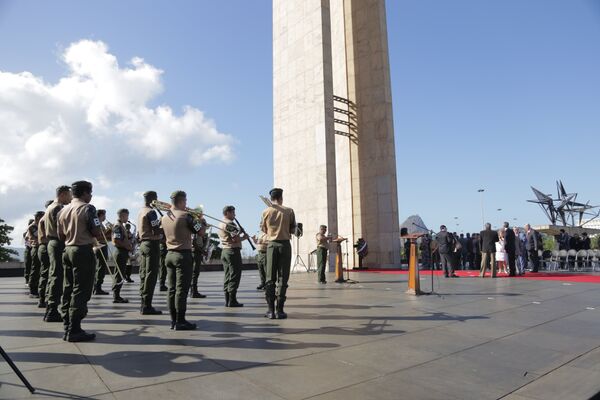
(565, 210)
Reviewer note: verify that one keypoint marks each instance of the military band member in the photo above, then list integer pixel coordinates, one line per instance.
(322, 250)
(101, 252)
(44, 260)
(149, 234)
(129, 264)
(27, 260)
(278, 223)
(198, 242)
(179, 226)
(163, 265)
(79, 227)
(34, 274)
(231, 257)
(261, 258)
(56, 247)
(122, 242)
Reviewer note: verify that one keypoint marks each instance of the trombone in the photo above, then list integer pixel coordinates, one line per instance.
(229, 228)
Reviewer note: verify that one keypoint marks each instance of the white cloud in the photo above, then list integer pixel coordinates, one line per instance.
(96, 112)
(95, 123)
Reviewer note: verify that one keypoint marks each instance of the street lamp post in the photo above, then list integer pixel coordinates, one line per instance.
(482, 213)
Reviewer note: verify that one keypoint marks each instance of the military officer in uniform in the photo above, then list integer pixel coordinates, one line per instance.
(101, 252)
(322, 250)
(163, 265)
(179, 226)
(44, 260)
(231, 257)
(149, 234)
(278, 223)
(27, 260)
(261, 258)
(122, 242)
(32, 236)
(56, 247)
(79, 227)
(198, 251)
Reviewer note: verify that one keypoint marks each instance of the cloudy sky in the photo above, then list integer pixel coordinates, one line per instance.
(495, 95)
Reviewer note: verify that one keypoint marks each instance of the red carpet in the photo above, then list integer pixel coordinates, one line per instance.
(542, 276)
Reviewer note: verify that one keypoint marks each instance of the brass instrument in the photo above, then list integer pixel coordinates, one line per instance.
(267, 202)
(229, 228)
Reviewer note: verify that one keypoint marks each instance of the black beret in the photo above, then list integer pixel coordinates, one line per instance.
(178, 194)
(228, 208)
(123, 210)
(150, 195)
(39, 214)
(276, 192)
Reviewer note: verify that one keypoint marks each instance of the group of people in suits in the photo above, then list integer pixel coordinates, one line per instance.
(509, 249)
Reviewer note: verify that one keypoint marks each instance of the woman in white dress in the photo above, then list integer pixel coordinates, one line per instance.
(501, 253)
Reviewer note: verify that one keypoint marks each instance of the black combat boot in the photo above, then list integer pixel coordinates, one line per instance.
(66, 326)
(194, 294)
(182, 324)
(99, 292)
(270, 297)
(52, 315)
(149, 310)
(117, 296)
(233, 300)
(261, 287)
(42, 303)
(280, 313)
(226, 299)
(76, 334)
(163, 287)
(173, 318)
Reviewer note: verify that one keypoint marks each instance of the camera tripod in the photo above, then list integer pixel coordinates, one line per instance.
(16, 370)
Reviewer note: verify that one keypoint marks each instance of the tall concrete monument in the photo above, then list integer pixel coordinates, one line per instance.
(334, 152)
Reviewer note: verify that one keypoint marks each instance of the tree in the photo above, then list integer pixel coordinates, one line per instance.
(6, 254)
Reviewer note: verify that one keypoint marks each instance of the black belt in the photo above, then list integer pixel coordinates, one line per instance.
(181, 250)
(52, 238)
(263, 252)
(150, 240)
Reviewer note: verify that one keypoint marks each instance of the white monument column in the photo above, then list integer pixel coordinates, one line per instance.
(341, 174)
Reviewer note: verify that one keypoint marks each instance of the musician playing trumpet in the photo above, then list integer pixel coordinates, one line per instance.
(231, 256)
(179, 226)
(149, 236)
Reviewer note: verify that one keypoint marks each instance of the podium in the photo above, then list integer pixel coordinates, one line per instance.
(414, 283)
(339, 262)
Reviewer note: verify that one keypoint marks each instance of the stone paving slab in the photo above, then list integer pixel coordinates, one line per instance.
(473, 339)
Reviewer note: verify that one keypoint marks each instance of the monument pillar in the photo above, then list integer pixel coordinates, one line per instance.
(334, 152)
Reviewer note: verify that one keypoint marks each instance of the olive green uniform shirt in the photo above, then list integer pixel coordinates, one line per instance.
(278, 222)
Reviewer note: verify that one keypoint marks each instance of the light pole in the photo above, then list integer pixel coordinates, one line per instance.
(482, 214)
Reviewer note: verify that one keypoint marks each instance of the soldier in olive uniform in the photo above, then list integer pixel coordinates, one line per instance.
(163, 264)
(149, 234)
(278, 223)
(44, 260)
(101, 252)
(122, 242)
(27, 260)
(261, 258)
(79, 227)
(322, 250)
(198, 242)
(34, 274)
(179, 226)
(56, 247)
(231, 257)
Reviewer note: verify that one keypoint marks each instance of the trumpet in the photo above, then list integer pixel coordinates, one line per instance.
(229, 228)
(267, 202)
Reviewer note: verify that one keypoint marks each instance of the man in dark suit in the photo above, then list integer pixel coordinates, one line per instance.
(487, 241)
(510, 245)
(532, 245)
(446, 244)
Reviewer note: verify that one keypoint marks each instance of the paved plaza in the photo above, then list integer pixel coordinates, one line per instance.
(478, 339)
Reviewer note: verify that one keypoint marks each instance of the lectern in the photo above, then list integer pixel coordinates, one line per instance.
(414, 284)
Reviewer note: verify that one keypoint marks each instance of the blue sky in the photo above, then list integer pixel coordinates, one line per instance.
(493, 94)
